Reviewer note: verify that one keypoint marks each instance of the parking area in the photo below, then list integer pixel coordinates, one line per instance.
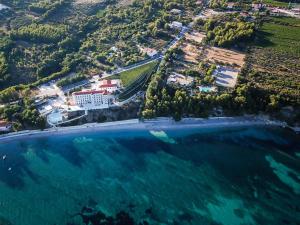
(54, 98)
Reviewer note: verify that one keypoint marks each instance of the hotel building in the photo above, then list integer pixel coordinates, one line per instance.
(93, 99)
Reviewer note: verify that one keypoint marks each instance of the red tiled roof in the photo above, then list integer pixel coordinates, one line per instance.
(107, 85)
(106, 82)
(3, 123)
(90, 92)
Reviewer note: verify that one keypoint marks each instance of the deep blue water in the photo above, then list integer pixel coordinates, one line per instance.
(232, 176)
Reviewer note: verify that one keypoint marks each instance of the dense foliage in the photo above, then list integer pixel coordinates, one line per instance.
(70, 80)
(226, 31)
(46, 7)
(218, 4)
(3, 68)
(45, 33)
(23, 115)
(268, 82)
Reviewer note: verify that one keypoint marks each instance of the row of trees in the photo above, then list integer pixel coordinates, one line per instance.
(3, 68)
(178, 102)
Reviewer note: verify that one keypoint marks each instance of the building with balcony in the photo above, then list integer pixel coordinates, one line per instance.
(93, 99)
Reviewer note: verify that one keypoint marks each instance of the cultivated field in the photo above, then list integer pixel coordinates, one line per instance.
(276, 57)
(281, 34)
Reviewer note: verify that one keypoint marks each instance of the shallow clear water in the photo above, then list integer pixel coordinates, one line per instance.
(3, 6)
(248, 175)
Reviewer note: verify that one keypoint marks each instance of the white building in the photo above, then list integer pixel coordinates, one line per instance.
(93, 99)
(176, 25)
(149, 51)
(176, 11)
(180, 79)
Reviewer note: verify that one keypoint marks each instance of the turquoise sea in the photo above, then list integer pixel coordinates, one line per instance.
(211, 176)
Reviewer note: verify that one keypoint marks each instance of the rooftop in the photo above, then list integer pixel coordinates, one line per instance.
(108, 85)
(3, 123)
(90, 92)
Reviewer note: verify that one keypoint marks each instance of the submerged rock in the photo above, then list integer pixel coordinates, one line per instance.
(90, 216)
(4, 221)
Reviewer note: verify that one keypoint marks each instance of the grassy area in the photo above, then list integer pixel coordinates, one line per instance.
(282, 34)
(276, 3)
(130, 76)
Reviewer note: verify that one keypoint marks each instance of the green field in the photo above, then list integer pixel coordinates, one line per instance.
(130, 76)
(276, 3)
(281, 34)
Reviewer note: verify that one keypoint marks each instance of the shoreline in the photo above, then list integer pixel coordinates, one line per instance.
(161, 123)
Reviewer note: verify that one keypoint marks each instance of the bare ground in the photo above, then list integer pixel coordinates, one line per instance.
(191, 52)
(195, 36)
(225, 56)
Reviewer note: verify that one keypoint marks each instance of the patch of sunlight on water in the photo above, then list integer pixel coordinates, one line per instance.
(283, 173)
(229, 211)
(161, 135)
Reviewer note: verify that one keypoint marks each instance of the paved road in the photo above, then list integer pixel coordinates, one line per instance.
(158, 56)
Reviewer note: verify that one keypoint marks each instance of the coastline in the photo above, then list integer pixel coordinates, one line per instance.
(161, 123)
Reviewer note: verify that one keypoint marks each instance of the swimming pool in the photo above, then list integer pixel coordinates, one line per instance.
(206, 89)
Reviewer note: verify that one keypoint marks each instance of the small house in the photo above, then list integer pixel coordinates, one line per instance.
(176, 25)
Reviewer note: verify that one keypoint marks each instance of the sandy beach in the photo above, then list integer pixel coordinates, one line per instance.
(152, 124)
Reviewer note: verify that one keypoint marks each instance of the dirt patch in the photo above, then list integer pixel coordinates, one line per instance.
(191, 52)
(195, 36)
(209, 13)
(224, 56)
